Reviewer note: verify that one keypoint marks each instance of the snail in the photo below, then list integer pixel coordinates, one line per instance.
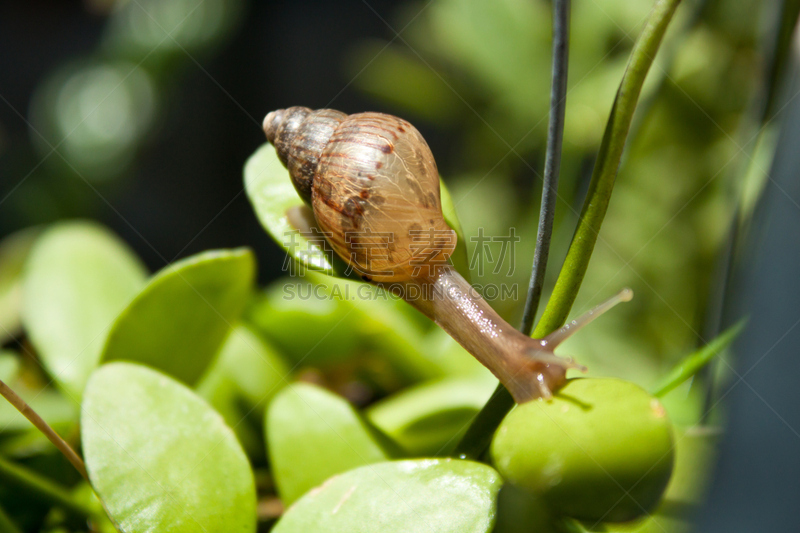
(373, 186)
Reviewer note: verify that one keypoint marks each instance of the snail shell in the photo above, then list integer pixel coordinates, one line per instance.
(372, 183)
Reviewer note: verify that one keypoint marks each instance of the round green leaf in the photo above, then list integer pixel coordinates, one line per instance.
(252, 365)
(78, 278)
(14, 250)
(313, 434)
(178, 322)
(383, 328)
(9, 365)
(309, 326)
(441, 495)
(460, 256)
(429, 418)
(161, 458)
(275, 201)
(241, 382)
(331, 319)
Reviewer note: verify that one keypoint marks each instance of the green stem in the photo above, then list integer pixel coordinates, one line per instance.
(605, 169)
(479, 434)
(697, 360)
(44, 488)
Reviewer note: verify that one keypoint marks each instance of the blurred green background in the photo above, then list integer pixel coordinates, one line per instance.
(141, 113)
(145, 122)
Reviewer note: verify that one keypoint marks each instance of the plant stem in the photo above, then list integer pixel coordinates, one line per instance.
(552, 162)
(62, 445)
(477, 438)
(606, 167)
(479, 434)
(43, 487)
(697, 360)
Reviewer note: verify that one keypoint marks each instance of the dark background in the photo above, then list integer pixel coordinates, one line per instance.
(185, 195)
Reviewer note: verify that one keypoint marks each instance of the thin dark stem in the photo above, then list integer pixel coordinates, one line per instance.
(62, 445)
(480, 432)
(552, 162)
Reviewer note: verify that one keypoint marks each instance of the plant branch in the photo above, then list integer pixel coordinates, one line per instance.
(43, 487)
(552, 162)
(479, 434)
(62, 445)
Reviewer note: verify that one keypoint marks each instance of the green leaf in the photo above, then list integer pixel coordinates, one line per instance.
(380, 325)
(695, 361)
(14, 250)
(161, 458)
(9, 365)
(428, 419)
(275, 200)
(331, 319)
(178, 322)
(240, 383)
(379, 318)
(442, 495)
(78, 278)
(460, 257)
(252, 365)
(273, 196)
(313, 434)
(305, 323)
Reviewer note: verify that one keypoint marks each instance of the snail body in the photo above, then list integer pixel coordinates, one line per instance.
(372, 183)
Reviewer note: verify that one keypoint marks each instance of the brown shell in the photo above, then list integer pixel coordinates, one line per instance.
(373, 185)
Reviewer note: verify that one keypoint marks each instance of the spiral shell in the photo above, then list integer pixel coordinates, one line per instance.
(372, 182)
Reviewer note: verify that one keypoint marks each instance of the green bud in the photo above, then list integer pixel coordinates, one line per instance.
(600, 450)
